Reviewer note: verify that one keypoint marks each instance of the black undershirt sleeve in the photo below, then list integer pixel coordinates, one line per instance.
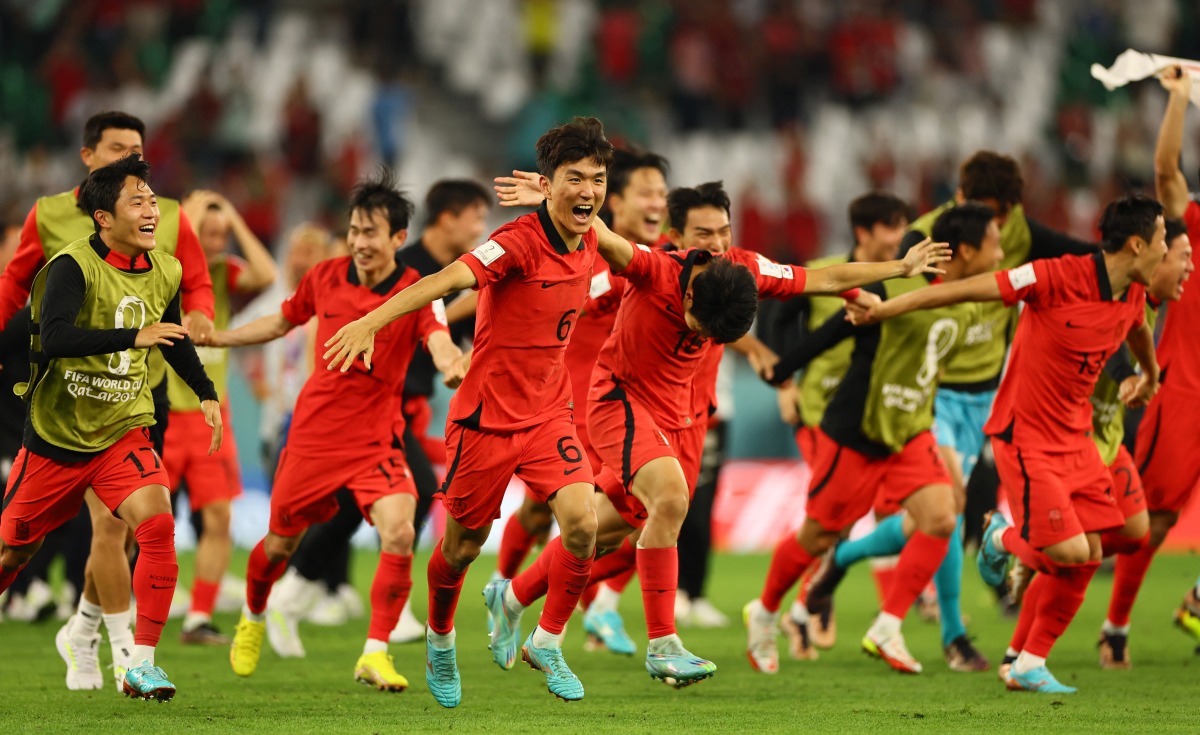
(1048, 243)
(61, 302)
(183, 359)
(834, 330)
(1120, 366)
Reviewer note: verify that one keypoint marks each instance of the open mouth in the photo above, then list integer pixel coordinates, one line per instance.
(147, 229)
(582, 212)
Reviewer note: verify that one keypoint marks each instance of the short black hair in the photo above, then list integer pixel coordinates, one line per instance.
(93, 129)
(878, 208)
(684, 199)
(102, 188)
(380, 194)
(1129, 216)
(963, 223)
(1175, 228)
(725, 300)
(990, 175)
(453, 196)
(582, 138)
(626, 161)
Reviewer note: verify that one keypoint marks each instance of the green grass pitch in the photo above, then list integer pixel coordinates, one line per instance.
(843, 692)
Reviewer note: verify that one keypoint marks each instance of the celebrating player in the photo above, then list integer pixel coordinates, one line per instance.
(98, 307)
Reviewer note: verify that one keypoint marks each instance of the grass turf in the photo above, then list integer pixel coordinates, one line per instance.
(843, 692)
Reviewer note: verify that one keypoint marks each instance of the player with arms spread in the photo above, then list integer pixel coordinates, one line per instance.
(98, 307)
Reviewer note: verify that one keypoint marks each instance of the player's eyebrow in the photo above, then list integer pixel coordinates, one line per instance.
(576, 172)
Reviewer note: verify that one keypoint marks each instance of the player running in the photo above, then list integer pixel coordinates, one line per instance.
(1078, 310)
(98, 307)
(346, 430)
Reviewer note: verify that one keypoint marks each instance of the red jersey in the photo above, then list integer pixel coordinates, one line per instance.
(653, 354)
(339, 414)
(593, 328)
(1179, 345)
(531, 291)
(1069, 328)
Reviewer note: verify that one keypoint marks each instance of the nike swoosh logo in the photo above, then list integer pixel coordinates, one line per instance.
(1074, 326)
(547, 284)
(567, 472)
(327, 315)
(159, 587)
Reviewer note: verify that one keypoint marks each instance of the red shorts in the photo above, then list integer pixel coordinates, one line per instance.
(43, 494)
(1166, 450)
(209, 478)
(304, 487)
(847, 483)
(547, 457)
(593, 458)
(628, 438)
(1126, 484)
(1054, 497)
(806, 442)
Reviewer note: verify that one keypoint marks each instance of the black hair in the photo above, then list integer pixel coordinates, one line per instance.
(684, 199)
(102, 188)
(453, 196)
(93, 129)
(626, 161)
(582, 138)
(990, 175)
(725, 300)
(965, 223)
(380, 194)
(1175, 228)
(877, 208)
(1135, 215)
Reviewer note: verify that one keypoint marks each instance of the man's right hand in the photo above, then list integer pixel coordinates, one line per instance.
(161, 333)
(1176, 80)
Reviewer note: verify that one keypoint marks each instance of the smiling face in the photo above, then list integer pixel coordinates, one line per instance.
(130, 228)
(707, 228)
(985, 258)
(115, 144)
(639, 210)
(371, 246)
(1166, 282)
(574, 196)
(881, 243)
(213, 232)
(1150, 254)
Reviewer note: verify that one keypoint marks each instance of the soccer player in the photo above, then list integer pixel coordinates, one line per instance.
(512, 413)
(212, 481)
(878, 221)
(875, 445)
(53, 223)
(1078, 310)
(650, 397)
(1165, 449)
(333, 441)
(98, 307)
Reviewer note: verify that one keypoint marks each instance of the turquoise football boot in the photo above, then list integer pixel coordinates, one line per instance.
(506, 627)
(147, 681)
(992, 559)
(560, 680)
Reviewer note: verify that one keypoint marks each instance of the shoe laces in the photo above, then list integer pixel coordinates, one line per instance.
(557, 664)
(442, 662)
(86, 654)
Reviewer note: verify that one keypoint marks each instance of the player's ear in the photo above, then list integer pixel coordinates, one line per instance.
(399, 238)
(85, 155)
(544, 184)
(676, 238)
(104, 219)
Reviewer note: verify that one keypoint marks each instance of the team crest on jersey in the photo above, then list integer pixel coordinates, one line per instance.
(488, 252)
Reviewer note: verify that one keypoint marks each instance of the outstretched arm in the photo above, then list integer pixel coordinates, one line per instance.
(1169, 182)
(263, 329)
(835, 279)
(358, 337)
(983, 287)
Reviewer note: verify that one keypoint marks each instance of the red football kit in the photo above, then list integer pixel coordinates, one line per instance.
(648, 397)
(1057, 485)
(513, 412)
(344, 428)
(590, 333)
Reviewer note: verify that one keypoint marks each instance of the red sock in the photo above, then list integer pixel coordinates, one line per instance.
(389, 592)
(787, 566)
(659, 569)
(445, 584)
(514, 547)
(532, 584)
(261, 576)
(1034, 559)
(1057, 606)
(1114, 542)
(204, 596)
(7, 576)
(883, 580)
(567, 575)
(1128, 574)
(1029, 606)
(619, 582)
(610, 566)
(918, 563)
(154, 577)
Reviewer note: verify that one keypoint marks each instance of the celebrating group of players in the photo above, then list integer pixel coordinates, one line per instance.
(592, 378)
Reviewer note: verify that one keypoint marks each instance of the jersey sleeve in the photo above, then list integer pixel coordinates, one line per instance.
(1030, 282)
(17, 279)
(301, 305)
(234, 268)
(197, 284)
(775, 280)
(496, 259)
(645, 265)
(431, 318)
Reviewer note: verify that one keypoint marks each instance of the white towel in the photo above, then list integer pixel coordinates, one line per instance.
(1134, 66)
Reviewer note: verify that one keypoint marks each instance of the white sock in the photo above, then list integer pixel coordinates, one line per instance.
(512, 605)
(542, 639)
(799, 612)
(764, 615)
(253, 617)
(1011, 652)
(666, 643)
(440, 640)
(1111, 629)
(87, 621)
(143, 653)
(886, 625)
(120, 636)
(998, 539)
(1027, 662)
(193, 620)
(606, 600)
(374, 646)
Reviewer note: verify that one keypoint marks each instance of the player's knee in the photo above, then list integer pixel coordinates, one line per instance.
(579, 533)
(460, 554)
(671, 505)
(397, 537)
(280, 548)
(1075, 551)
(217, 518)
(108, 530)
(12, 559)
(939, 525)
(1160, 525)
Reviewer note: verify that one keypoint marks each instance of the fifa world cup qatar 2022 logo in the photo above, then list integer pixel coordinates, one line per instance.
(131, 314)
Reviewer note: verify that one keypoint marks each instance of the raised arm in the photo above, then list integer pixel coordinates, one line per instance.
(358, 337)
(835, 279)
(983, 287)
(1169, 181)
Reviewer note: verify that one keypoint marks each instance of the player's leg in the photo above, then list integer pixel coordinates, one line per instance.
(447, 568)
(106, 587)
(392, 516)
(695, 537)
(531, 522)
(612, 570)
(213, 551)
(409, 628)
(1130, 539)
